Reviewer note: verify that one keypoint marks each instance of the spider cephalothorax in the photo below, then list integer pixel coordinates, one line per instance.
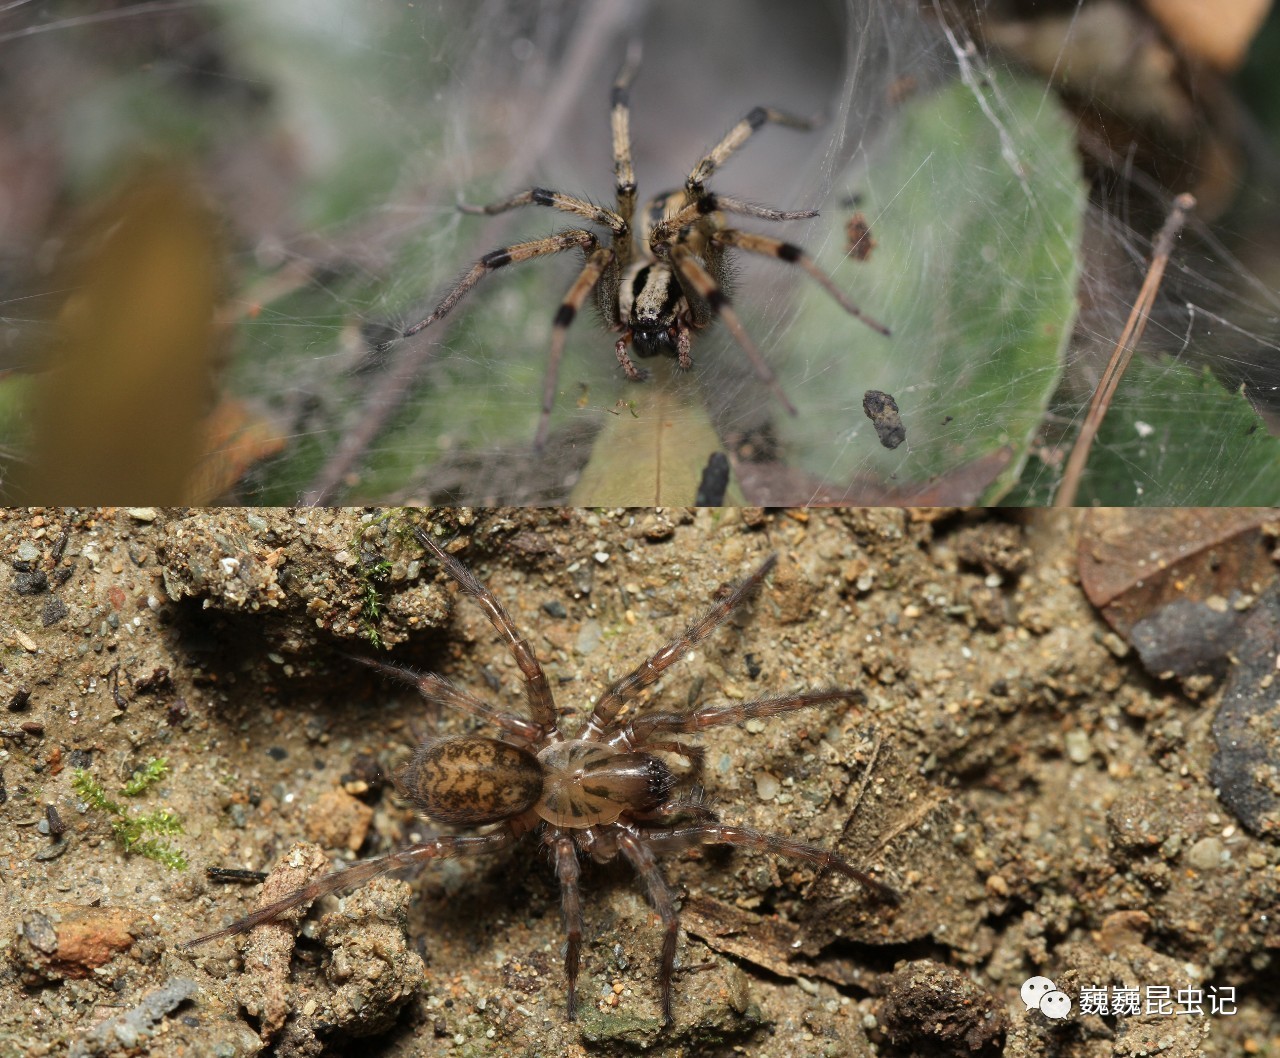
(601, 791)
(657, 285)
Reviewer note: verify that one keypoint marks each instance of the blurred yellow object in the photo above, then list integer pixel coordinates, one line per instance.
(119, 412)
(1217, 32)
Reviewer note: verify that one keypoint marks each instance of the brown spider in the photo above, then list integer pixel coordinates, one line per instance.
(671, 283)
(600, 791)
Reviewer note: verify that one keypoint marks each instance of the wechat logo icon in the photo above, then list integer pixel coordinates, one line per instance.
(1039, 993)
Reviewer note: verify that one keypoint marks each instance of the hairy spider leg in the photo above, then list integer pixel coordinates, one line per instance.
(567, 872)
(440, 691)
(768, 246)
(683, 837)
(605, 262)
(541, 196)
(517, 253)
(665, 232)
(695, 804)
(638, 732)
(445, 847)
(624, 177)
(646, 867)
(542, 706)
(691, 271)
(594, 267)
(735, 138)
(611, 701)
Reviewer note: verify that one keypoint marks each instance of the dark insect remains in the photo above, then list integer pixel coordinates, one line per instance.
(600, 791)
(658, 284)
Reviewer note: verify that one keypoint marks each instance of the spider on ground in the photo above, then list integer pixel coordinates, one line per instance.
(669, 282)
(599, 791)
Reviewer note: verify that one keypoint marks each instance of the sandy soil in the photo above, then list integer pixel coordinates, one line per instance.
(1042, 804)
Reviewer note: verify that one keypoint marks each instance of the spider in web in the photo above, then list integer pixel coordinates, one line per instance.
(599, 790)
(657, 285)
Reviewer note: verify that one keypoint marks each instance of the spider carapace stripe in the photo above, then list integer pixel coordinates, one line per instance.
(603, 794)
(684, 241)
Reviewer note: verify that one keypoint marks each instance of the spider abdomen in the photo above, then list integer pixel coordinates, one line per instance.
(471, 780)
(588, 783)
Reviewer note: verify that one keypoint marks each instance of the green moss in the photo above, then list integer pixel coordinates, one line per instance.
(154, 770)
(133, 831)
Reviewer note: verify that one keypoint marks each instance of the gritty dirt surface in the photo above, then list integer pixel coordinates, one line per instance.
(1042, 805)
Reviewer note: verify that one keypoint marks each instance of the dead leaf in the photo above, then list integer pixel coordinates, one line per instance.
(1132, 564)
(654, 447)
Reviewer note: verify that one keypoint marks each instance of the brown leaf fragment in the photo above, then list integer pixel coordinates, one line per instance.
(764, 942)
(235, 437)
(882, 410)
(1133, 563)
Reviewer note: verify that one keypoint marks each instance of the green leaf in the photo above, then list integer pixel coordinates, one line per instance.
(977, 220)
(1175, 437)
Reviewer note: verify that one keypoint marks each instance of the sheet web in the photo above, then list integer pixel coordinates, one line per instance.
(965, 169)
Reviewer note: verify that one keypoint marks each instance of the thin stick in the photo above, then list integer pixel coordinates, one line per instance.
(1123, 353)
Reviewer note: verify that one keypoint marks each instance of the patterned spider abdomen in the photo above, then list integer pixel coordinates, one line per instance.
(586, 783)
(471, 780)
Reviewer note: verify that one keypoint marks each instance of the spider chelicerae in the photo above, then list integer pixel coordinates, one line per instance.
(601, 791)
(668, 279)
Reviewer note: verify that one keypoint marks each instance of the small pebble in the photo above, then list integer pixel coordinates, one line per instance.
(1205, 854)
(1079, 749)
(766, 786)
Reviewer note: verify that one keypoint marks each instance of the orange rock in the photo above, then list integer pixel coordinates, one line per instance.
(71, 941)
(339, 821)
